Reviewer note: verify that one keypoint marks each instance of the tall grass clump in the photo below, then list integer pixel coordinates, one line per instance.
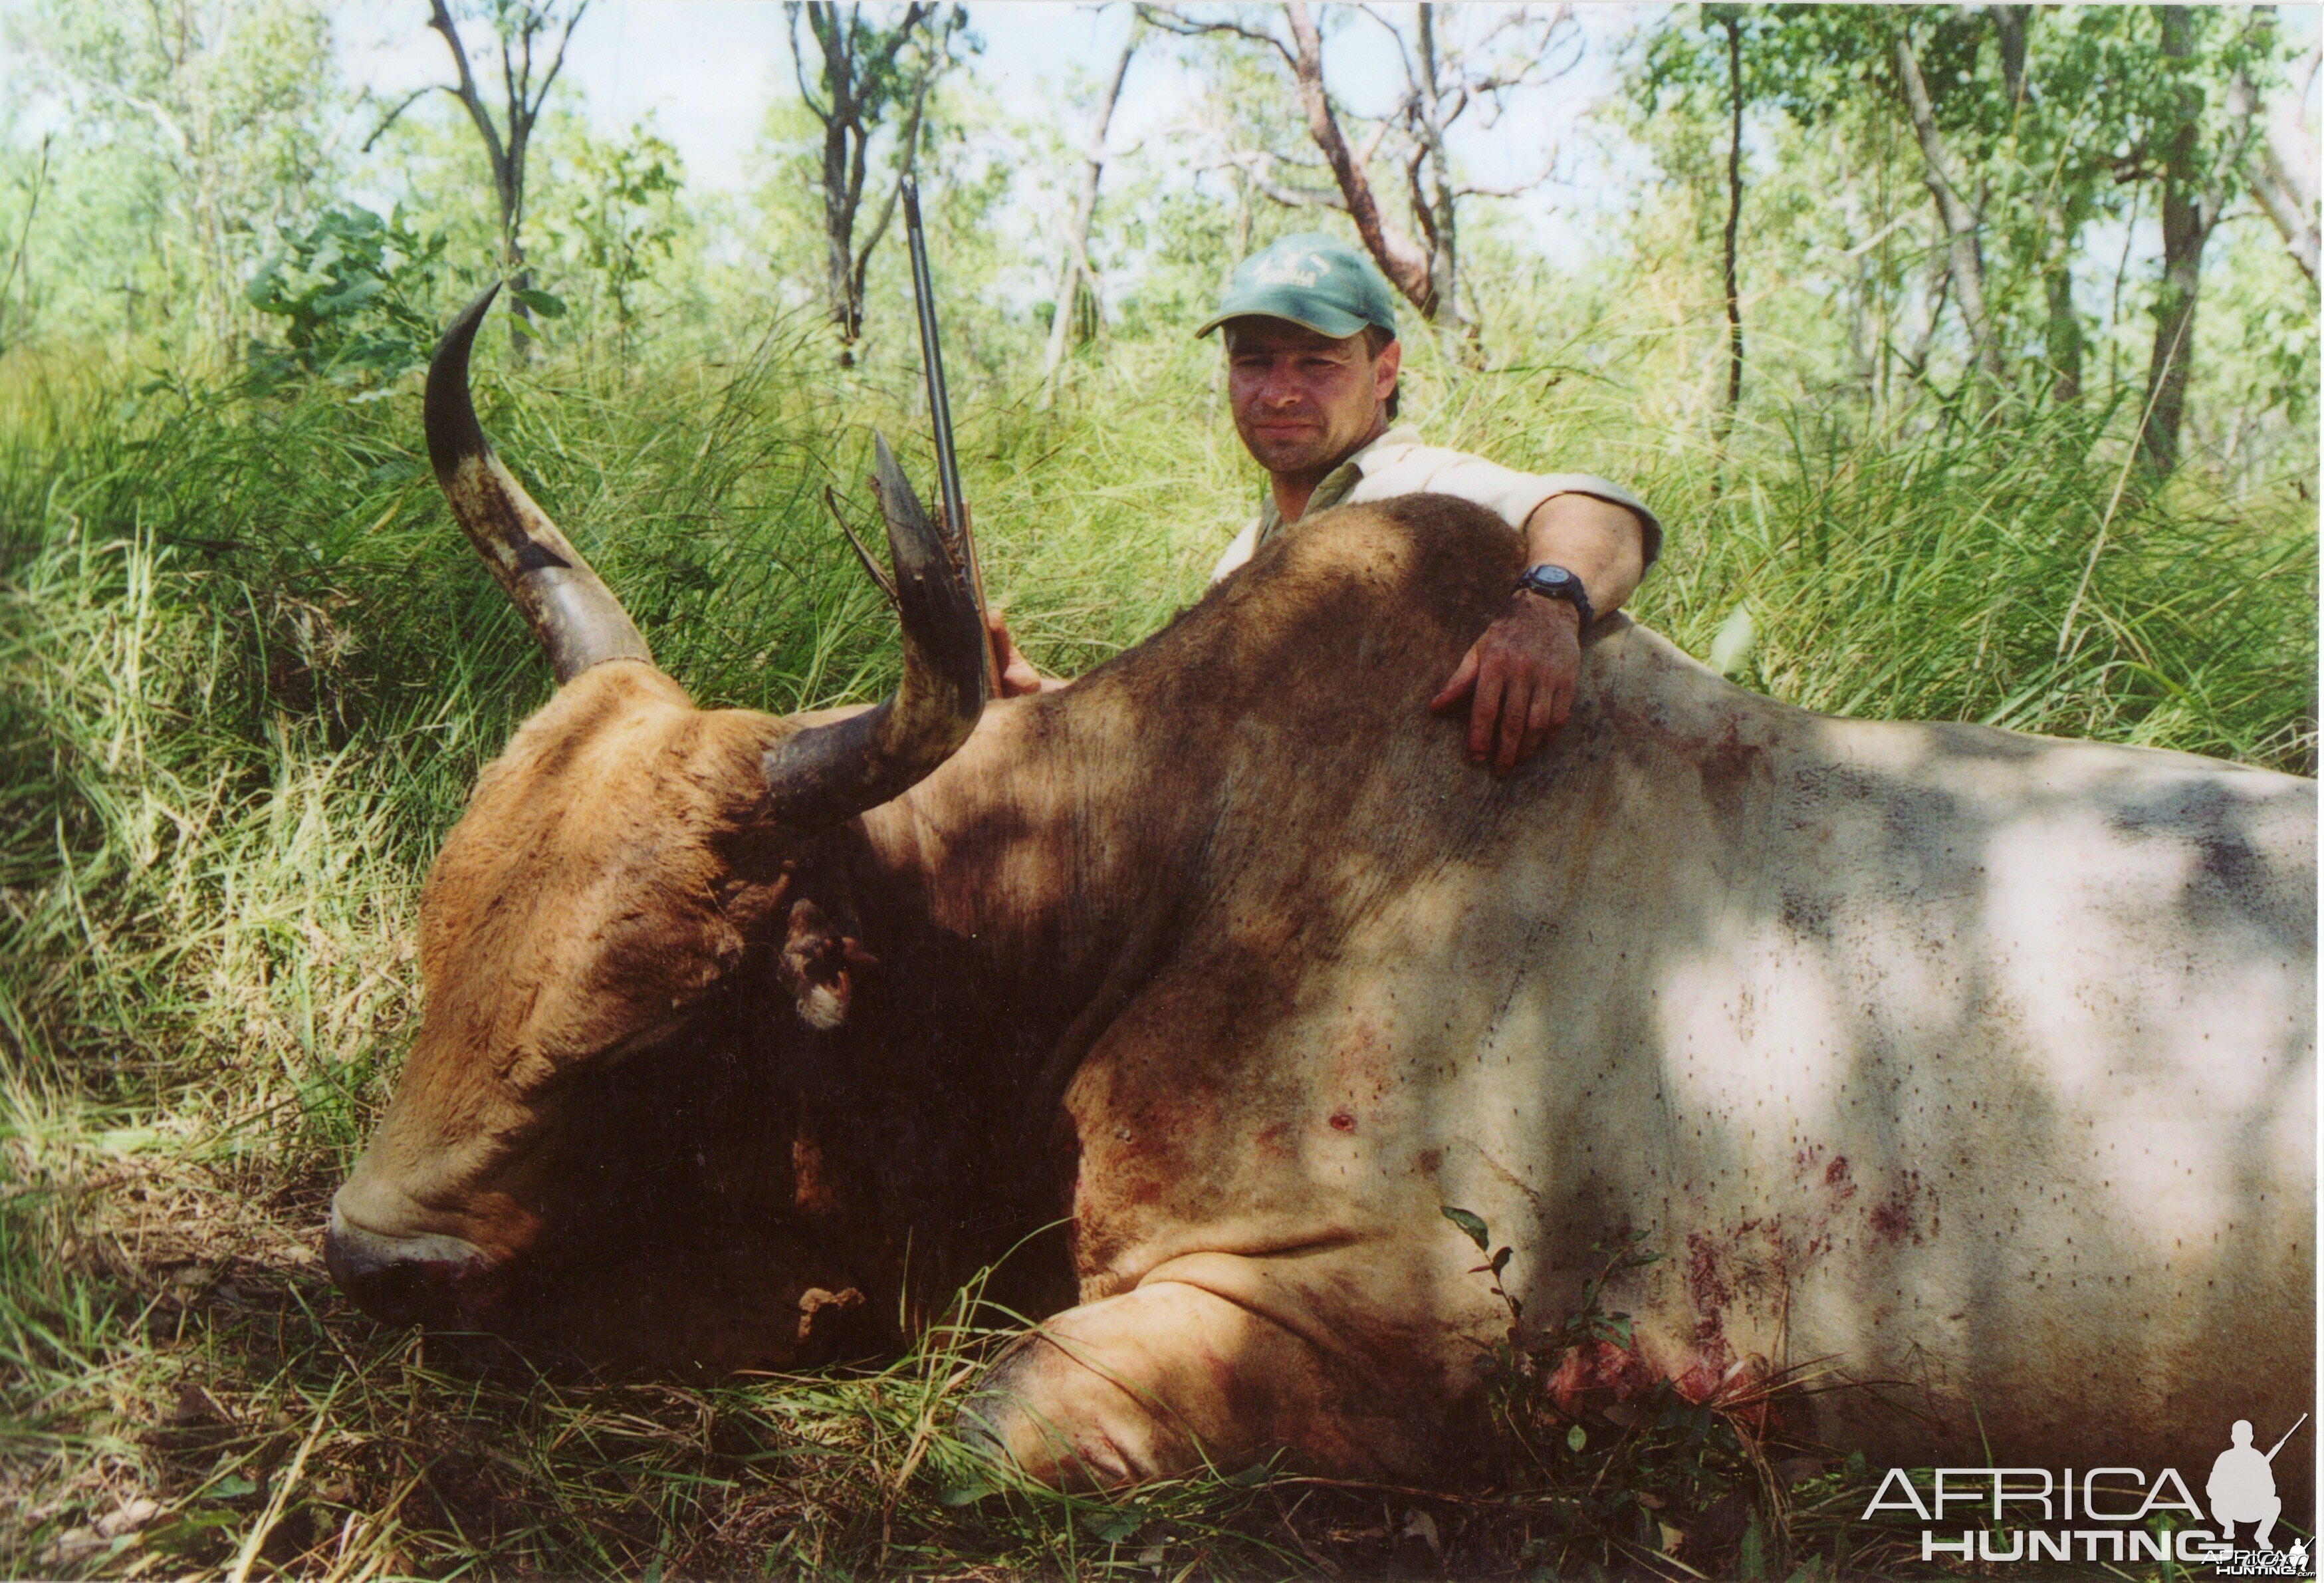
(249, 669)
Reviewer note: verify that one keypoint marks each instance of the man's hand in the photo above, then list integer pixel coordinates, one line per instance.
(1522, 673)
(1018, 676)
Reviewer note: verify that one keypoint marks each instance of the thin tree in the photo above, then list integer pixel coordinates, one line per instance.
(1440, 87)
(1731, 18)
(866, 73)
(528, 68)
(2059, 202)
(1959, 217)
(2194, 200)
(23, 240)
(1075, 272)
(1444, 84)
(2283, 174)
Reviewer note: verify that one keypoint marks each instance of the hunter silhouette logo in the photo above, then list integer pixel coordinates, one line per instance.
(2243, 1484)
(2105, 1514)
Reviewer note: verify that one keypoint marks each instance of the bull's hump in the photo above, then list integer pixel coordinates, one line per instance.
(1432, 555)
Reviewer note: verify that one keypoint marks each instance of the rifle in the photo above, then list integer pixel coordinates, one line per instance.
(955, 510)
(2271, 1450)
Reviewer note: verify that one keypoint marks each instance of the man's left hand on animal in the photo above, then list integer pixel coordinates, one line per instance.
(1310, 327)
(1974, 1069)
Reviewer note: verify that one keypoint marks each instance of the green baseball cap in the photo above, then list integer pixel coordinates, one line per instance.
(1310, 279)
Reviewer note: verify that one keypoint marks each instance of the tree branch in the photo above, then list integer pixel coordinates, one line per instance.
(799, 63)
(1403, 262)
(466, 92)
(2285, 178)
(555, 62)
(1513, 189)
(1960, 221)
(1168, 21)
(409, 100)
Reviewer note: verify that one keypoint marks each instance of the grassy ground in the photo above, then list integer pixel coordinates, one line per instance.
(248, 670)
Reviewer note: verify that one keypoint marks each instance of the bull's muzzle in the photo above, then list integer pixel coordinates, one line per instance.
(407, 1280)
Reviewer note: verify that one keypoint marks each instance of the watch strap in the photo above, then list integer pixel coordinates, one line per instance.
(1551, 581)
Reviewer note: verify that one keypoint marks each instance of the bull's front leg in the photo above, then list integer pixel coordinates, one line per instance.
(1213, 1360)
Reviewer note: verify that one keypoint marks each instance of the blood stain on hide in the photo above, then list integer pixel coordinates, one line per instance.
(1708, 1373)
(1703, 1282)
(1892, 1220)
(1343, 1120)
(1836, 1177)
(1729, 766)
(1596, 1374)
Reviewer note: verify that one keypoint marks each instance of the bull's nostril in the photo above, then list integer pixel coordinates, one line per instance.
(399, 1279)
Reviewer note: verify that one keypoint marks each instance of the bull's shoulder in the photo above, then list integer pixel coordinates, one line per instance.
(1409, 580)
(1438, 554)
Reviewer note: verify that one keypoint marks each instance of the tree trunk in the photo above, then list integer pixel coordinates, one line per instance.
(1436, 212)
(2190, 209)
(843, 174)
(506, 157)
(509, 182)
(1734, 25)
(1399, 259)
(2058, 225)
(858, 77)
(1960, 222)
(2284, 179)
(1075, 262)
(2062, 340)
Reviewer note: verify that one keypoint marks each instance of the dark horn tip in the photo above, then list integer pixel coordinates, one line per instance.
(448, 415)
(897, 496)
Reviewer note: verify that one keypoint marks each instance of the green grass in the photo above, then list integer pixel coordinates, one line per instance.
(248, 672)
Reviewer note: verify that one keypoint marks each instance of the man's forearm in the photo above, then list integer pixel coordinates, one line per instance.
(1601, 544)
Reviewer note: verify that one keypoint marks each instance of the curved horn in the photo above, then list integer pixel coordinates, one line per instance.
(575, 617)
(826, 773)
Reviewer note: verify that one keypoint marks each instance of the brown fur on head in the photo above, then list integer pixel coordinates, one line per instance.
(615, 867)
(614, 871)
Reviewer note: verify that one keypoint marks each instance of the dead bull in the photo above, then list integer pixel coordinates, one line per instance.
(1976, 1064)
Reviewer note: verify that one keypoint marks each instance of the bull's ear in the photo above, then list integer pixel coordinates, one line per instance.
(821, 964)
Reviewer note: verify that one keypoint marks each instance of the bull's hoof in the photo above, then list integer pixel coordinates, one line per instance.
(1020, 1420)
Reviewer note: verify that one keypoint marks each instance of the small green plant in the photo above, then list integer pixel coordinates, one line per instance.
(625, 220)
(351, 293)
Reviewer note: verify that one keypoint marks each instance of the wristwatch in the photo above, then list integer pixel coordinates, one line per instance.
(1554, 582)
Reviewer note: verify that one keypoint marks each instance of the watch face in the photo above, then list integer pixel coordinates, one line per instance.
(1550, 579)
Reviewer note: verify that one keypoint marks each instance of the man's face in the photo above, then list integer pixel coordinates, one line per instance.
(1303, 401)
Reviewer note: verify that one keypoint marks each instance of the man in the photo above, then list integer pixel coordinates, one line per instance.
(1312, 363)
(2241, 1487)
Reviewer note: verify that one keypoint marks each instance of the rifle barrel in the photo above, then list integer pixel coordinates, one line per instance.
(924, 298)
(2294, 1429)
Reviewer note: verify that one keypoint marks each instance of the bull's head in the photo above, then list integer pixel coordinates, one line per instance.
(620, 869)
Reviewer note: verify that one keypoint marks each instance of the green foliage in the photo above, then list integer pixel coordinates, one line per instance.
(622, 220)
(349, 291)
(189, 131)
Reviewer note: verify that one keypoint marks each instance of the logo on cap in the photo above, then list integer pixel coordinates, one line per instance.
(1306, 270)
